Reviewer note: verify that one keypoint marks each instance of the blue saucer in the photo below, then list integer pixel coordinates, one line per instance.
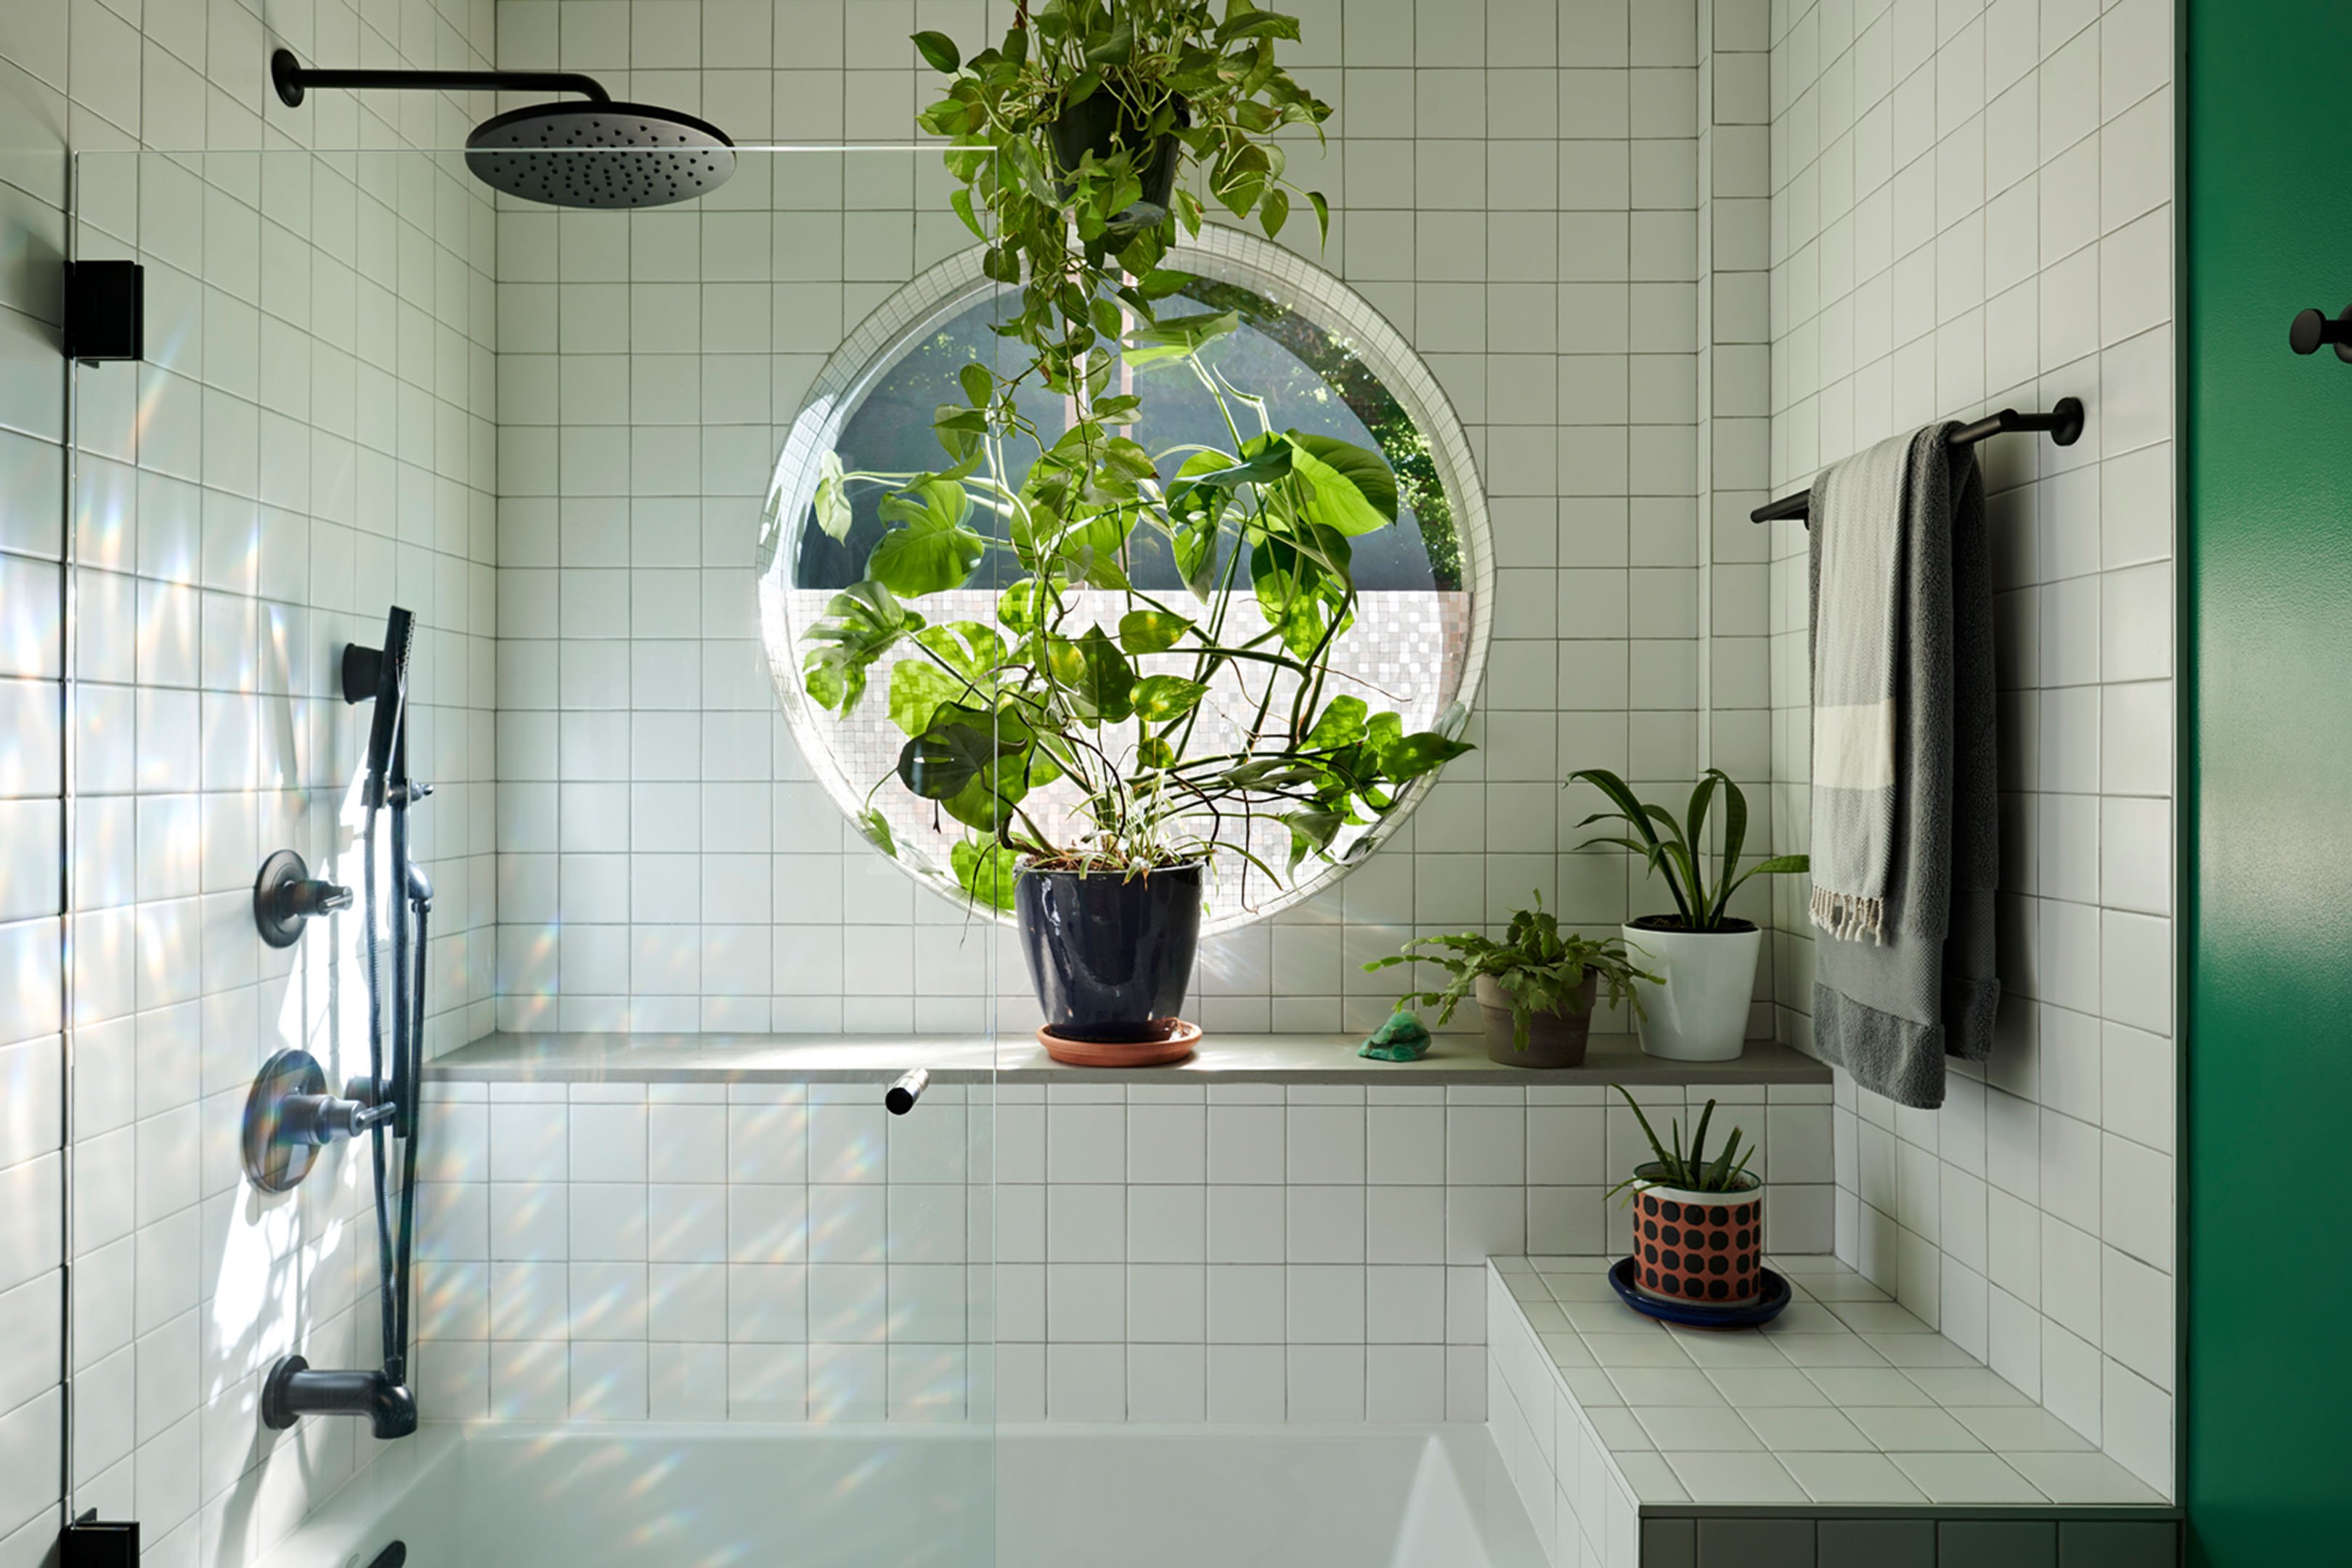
(1768, 1304)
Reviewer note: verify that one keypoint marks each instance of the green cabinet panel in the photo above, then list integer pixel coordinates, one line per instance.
(2267, 786)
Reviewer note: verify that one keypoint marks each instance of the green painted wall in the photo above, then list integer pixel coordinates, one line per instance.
(2267, 796)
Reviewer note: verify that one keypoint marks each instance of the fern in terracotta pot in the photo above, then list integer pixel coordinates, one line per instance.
(1536, 988)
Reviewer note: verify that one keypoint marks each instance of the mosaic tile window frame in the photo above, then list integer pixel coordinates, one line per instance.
(1392, 641)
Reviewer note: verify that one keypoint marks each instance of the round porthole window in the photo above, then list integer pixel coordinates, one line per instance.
(1266, 343)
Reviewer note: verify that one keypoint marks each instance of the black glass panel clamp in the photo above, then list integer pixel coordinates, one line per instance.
(2063, 424)
(92, 1542)
(105, 312)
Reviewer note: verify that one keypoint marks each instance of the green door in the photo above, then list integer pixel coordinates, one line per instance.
(2267, 796)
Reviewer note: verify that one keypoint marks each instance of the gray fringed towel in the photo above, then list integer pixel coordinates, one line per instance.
(1906, 843)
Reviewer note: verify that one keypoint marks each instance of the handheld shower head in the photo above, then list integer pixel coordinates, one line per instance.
(380, 675)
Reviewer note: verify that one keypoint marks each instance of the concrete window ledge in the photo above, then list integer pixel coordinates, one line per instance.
(1329, 1059)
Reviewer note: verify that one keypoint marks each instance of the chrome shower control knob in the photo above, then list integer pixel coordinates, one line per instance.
(321, 1119)
(285, 896)
(277, 1157)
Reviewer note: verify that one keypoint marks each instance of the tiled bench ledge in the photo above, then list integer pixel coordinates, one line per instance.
(1845, 1435)
(970, 1058)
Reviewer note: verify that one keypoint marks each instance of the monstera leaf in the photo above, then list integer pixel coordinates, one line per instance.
(861, 624)
(931, 550)
(951, 754)
(832, 505)
(918, 688)
(973, 651)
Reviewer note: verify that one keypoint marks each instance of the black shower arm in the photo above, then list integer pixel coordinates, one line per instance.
(292, 77)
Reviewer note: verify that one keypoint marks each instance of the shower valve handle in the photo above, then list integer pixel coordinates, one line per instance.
(285, 894)
(322, 1119)
(315, 897)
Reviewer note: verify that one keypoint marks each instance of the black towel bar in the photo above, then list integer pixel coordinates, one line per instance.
(2063, 422)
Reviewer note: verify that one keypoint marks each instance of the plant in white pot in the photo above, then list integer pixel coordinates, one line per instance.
(1698, 1012)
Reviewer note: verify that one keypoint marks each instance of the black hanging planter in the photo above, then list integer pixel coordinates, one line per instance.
(1111, 954)
(1099, 125)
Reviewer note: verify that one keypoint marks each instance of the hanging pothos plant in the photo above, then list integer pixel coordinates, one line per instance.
(1178, 720)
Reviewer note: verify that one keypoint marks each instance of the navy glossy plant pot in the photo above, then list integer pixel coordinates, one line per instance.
(1109, 953)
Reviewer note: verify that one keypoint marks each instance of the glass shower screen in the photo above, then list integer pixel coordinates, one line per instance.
(684, 1289)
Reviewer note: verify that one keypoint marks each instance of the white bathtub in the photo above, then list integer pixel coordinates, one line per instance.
(1037, 1496)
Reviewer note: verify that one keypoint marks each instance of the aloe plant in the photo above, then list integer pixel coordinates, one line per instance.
(1676, 850)
(1689, 1169)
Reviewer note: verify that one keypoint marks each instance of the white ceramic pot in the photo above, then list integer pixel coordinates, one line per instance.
(1700, 1014)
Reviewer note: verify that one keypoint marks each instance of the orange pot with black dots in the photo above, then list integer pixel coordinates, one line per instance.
(1703, 1247)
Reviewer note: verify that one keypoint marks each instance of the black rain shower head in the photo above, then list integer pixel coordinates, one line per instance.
(594, 155)
(600, 156)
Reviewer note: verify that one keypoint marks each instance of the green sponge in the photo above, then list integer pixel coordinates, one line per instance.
(1402, 1039)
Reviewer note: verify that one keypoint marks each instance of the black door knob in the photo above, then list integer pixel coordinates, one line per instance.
(2311, 329)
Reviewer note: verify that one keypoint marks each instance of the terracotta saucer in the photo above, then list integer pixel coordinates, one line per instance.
(1172, 1039)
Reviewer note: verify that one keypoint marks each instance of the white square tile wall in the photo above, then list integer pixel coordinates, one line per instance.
(1972, 208)
(309, 438)
(1516, 185)
(1665, 257)
(1082, 1252)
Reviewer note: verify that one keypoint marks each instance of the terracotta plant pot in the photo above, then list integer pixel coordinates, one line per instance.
(1698, 1246)
(1554, 1039)
(1171, 1040)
